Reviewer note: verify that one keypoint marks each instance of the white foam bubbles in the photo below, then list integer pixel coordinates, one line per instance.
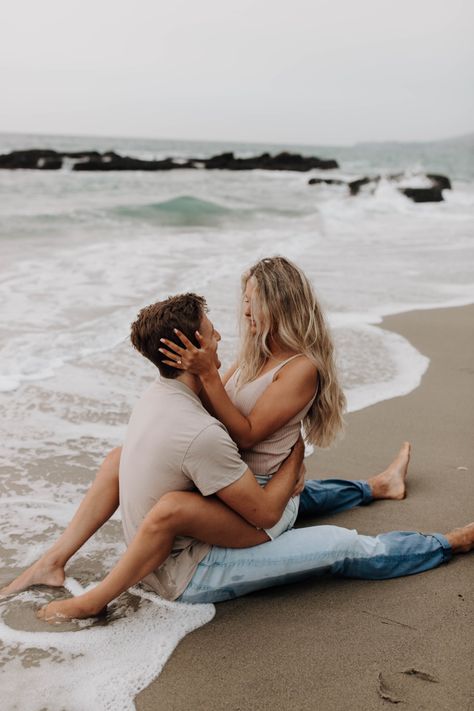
(408, 364)
(100, 667)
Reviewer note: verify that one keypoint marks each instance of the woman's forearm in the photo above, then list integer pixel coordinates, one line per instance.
(237, 424)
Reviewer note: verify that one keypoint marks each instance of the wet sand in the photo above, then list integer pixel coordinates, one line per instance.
(350, 645)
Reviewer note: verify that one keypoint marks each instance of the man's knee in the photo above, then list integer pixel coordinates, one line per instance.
(167, 514)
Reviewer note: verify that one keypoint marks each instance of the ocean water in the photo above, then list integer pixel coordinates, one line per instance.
(81, 253)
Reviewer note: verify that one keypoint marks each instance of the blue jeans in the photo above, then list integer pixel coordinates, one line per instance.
(226, 573)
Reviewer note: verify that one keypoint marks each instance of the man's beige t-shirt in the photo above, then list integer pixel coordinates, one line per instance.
(173, 444)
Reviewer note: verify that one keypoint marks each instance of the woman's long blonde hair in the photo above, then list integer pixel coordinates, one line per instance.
(284, 308)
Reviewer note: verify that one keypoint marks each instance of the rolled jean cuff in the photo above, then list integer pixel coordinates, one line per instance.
(367, 496)
(445, 545)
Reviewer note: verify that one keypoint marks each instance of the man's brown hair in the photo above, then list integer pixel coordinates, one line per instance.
(184, 312)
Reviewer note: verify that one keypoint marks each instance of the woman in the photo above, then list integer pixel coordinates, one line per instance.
(285, 375)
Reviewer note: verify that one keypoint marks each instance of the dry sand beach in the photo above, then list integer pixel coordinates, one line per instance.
(342, 645)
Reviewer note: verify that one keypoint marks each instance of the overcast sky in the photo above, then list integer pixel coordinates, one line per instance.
(299, 71)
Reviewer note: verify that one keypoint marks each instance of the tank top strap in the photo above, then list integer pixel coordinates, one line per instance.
(231, 383)
(280, 365)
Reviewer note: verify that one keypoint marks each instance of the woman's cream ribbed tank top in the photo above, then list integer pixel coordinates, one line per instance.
(265, 457)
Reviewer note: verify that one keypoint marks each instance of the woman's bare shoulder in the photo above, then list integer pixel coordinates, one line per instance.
(300, 367)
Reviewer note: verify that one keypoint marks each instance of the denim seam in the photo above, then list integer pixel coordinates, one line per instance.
(275, 561)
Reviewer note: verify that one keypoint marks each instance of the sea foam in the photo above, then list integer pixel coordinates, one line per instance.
(100, 667)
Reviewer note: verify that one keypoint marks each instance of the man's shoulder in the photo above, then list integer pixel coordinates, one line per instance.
(177, 407)
(212, 459)
(211, 432)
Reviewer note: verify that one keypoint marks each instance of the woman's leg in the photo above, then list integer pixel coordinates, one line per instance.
(98, 505)
(175, 514)
(329, 496)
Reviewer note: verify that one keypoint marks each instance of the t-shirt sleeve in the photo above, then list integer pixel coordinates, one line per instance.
(212, 461)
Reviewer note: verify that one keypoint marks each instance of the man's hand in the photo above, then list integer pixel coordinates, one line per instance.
(296, 456)
(301, 481)
(263, 507)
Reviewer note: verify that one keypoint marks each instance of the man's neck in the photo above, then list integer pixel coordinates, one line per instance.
(192, 381)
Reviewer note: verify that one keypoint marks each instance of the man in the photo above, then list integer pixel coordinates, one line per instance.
(173, 444)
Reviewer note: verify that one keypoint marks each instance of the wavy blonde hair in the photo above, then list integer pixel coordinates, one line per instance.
(284, 307)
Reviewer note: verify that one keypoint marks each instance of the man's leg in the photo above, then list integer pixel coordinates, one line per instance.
(308, 552)
(330, 496)
(98, 505)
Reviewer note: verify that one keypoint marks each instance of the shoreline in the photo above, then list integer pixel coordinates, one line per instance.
(363, 319)
(406, 380)
(341, 644)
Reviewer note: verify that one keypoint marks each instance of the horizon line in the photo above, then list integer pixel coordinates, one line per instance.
(239, 141)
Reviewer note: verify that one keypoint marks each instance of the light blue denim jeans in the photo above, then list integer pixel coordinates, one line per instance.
(226, 573)
(288, 517)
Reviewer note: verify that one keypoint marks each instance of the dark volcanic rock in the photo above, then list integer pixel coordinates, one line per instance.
(112, 161)
(282, 161)
(327, 181)
(82, 154)
(433, 194)
(295, 161)
(286, 161)
(92, 160)
(355, 185)
(327, 164)
(35, 159)
(219, 162)
(441, 180)
(430, 194)
(49, 163)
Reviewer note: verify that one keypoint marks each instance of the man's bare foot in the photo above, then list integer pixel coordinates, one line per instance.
(78, 607)
(461, 540)
(391, 483)
(43, 572)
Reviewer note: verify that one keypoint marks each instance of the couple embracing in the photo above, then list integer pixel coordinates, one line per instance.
(210, 479)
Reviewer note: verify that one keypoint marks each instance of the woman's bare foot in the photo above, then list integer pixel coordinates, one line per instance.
(44, 572)
(391, 483)
(461, 540)
(78, 607)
